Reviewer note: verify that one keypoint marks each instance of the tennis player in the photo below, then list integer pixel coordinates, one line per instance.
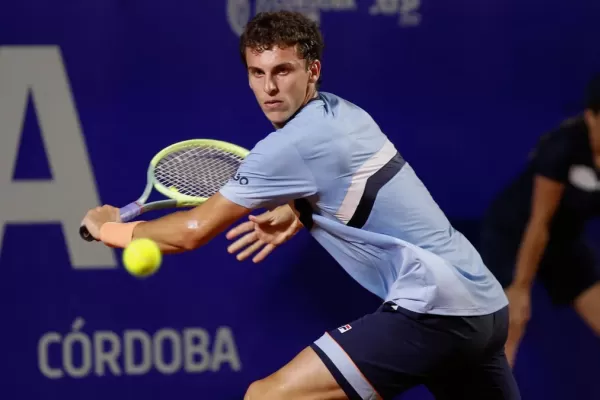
(443, 319)
(535, 226)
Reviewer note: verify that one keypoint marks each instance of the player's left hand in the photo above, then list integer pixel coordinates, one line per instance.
(95, 218)
(264, 232)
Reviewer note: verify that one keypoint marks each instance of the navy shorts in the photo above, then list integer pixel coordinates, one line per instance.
(567, 267)
(383, 354)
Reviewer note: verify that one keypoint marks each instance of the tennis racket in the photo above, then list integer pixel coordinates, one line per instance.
(188, 173)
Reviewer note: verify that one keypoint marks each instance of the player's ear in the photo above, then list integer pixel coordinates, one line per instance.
(315, 71)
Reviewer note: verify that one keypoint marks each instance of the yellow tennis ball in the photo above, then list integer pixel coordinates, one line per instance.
(142, 257)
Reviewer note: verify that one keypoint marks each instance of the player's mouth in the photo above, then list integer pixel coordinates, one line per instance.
(273, 104)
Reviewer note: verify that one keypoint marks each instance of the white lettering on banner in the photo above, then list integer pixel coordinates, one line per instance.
(322, 5)
(136, 352)
(239, 11)
(40, 71)
(86, 351)
(407, 10)
(238, 15)
(43, 362)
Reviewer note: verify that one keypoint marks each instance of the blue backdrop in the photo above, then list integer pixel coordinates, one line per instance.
(89, 91)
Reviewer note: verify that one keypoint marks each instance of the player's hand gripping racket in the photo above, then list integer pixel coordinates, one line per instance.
(188, 173)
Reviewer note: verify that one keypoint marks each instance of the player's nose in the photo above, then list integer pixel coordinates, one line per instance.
(270, 87)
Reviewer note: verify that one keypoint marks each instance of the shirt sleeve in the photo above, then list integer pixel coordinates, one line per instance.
(274, 173)
(551, 158)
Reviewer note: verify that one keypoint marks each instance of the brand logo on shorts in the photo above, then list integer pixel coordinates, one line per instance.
(344, 328)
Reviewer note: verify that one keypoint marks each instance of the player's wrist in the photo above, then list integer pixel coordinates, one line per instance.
(292, 207)
(117, 234)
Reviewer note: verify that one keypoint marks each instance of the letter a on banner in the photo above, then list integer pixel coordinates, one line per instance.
(39, 71)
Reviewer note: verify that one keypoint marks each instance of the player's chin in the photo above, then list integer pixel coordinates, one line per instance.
(277, 117)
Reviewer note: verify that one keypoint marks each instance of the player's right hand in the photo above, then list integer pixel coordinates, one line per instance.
(519, 308)
(264, 232)
(96, 217)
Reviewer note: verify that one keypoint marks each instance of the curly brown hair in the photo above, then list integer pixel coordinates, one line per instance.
(283, 29)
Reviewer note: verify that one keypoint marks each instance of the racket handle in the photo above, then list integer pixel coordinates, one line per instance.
(130, 211)
(126, 214)
(85, 234)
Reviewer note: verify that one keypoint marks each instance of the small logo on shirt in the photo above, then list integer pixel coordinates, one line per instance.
(584, 178)
(242, 180)
(344, 328)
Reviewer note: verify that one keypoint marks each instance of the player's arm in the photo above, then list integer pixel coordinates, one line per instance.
(547, 194)
(281, 178)
(551, 164)
(188, 230)
(174, 233)
(274, 175)
(265, 232)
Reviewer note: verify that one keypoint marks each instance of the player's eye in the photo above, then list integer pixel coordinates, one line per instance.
(257, 73)
(283, 71)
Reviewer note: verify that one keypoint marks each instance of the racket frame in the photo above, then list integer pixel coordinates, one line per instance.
(174, 198)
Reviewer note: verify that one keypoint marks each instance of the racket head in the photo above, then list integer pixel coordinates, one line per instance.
(191, 171)
(188, 173)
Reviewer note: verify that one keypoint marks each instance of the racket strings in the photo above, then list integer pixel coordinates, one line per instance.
(197, 171)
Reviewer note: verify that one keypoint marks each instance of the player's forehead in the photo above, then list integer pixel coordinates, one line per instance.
(272, 57)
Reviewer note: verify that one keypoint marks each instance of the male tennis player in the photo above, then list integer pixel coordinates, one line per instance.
(443, 319)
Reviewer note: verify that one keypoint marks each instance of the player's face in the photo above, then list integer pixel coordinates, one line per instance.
(281, 81)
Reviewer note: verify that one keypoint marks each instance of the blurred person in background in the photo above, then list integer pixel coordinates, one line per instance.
(534, 228)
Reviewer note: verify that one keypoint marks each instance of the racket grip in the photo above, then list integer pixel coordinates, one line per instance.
(85, 234)
(126, 214)
(130, 211)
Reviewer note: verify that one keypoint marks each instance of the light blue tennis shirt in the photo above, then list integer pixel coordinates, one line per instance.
(370, 211)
